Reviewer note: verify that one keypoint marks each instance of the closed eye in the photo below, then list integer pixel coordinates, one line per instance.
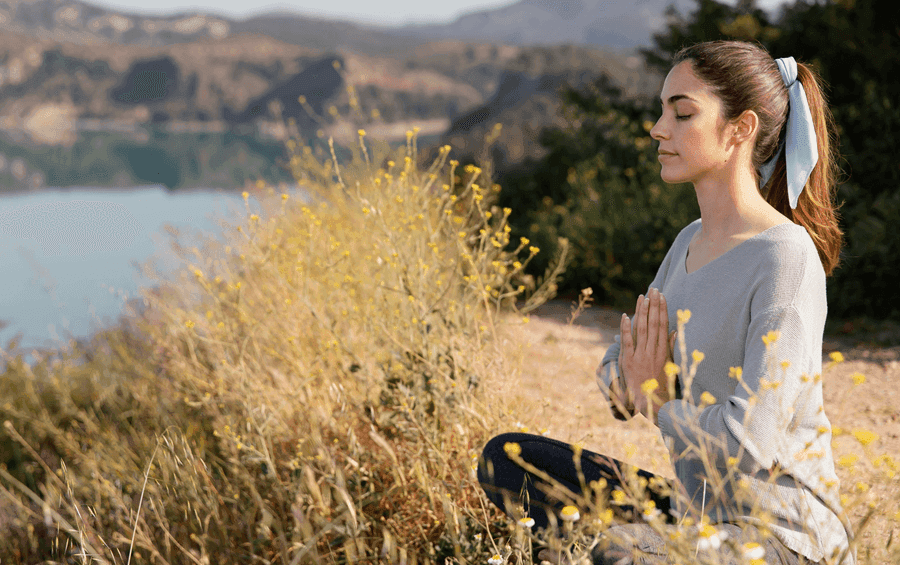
(684, 117)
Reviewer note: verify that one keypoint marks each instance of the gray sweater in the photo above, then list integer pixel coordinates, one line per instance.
(769, 422)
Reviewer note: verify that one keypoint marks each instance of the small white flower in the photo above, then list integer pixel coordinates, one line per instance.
(570, 514)
(752, 550)
(710, 538)
(651, 514)
(495, 560)
(527, 522)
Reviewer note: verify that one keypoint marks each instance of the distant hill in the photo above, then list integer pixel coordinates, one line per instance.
(610, 24)
(74, 21)
(66, 65)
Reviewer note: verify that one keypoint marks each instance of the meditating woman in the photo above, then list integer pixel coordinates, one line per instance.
(746, 429)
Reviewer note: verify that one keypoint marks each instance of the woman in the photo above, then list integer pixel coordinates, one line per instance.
(753, 135)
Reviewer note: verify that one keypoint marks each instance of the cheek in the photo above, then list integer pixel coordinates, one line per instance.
(701, 143)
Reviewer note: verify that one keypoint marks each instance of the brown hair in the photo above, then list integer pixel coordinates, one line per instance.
(745, 77)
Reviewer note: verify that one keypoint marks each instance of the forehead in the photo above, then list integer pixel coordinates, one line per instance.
(682, 82)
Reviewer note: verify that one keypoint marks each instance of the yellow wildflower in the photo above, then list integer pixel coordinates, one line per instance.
(858, 378)
(671, 369)
(569, 513)
(649, 386)
(848, 460)
(606, 517)
(865, 437)
(512, 449)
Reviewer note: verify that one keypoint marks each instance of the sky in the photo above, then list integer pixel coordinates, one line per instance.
(383, 12)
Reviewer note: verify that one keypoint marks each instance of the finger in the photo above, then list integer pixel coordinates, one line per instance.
(640, 322)
(663, 323)
(625, 334)
(637, 309)
(653, 338)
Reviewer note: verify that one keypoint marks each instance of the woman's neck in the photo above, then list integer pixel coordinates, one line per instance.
(732, 207)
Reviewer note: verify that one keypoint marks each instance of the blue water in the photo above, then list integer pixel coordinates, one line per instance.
(68, 257)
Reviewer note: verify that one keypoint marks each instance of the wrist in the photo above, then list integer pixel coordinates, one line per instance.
(620, 399)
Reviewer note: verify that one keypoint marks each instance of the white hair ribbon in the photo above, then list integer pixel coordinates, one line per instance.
(802, 153)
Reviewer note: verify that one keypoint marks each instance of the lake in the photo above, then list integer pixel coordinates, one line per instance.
(69, 256)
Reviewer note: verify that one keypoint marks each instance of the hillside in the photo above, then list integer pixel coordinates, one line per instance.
(610, 25)
(50, 90)
(618, 25)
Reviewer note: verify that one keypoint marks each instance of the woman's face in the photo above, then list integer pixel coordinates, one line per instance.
(690, 130)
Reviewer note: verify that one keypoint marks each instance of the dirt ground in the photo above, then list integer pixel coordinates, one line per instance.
(556, 392)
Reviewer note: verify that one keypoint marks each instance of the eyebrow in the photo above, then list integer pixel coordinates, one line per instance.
(677, 97)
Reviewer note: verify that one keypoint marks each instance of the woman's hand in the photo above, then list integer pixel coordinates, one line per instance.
(646, 346)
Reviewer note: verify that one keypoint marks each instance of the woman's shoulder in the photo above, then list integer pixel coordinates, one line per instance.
(788, 243)
(788, 263)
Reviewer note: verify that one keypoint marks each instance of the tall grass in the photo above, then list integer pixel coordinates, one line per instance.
(315, 397)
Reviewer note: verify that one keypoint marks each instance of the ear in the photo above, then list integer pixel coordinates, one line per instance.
(746, 127)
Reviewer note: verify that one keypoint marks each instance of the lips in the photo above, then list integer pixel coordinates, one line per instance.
(664, 154)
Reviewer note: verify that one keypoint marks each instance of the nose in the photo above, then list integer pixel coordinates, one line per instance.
(658, 131)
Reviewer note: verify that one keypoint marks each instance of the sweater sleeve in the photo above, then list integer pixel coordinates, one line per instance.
(753, 424)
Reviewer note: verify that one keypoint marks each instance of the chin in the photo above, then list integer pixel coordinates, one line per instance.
(672, 177)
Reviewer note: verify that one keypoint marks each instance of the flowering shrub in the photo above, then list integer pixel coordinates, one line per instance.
(314, 396)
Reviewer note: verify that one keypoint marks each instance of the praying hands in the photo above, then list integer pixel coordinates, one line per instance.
(646, 346)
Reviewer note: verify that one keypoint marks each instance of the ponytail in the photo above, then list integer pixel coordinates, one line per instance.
(816, 208)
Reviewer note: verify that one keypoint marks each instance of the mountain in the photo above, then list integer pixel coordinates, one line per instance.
(610, 24)
(74, 21)
(67, 66)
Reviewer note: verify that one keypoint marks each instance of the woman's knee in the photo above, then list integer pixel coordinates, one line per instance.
(494, 454)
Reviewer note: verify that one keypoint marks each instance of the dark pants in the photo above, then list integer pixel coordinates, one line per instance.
(511, 487)
(503, 480)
